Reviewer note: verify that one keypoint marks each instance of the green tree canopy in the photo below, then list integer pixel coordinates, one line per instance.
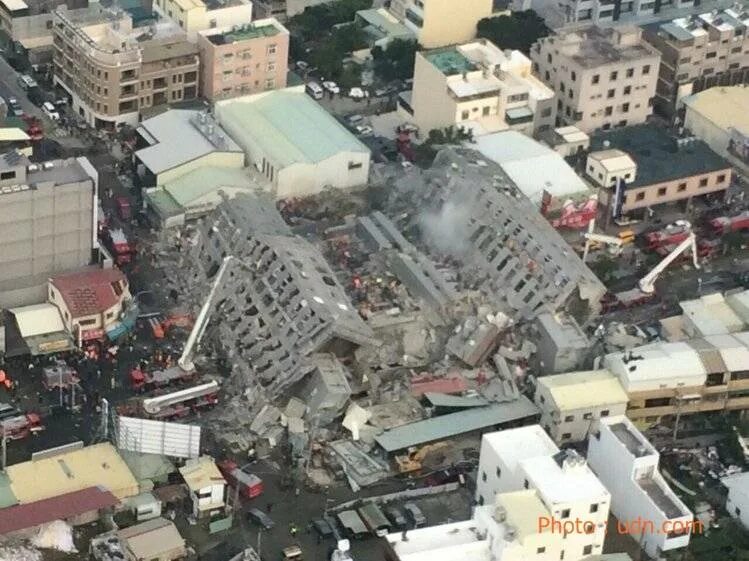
(396, 60)
(317, 21)
(517, 31)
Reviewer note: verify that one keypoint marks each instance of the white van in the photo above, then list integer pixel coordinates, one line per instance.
(50, 111)
(314, 90)
(26, 82)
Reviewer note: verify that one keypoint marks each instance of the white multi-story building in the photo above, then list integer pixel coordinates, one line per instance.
(527, 458)
(572, 404)
(737, 502)
(643, 503)
(477, 86)
(441, 22)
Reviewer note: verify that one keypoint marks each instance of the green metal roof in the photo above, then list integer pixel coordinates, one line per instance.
(290, 127)
(449, 61)
(7, 498)
(163, 203)
(202, 181)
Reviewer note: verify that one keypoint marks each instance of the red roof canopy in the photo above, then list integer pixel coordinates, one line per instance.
(62, 507)
(90, 292)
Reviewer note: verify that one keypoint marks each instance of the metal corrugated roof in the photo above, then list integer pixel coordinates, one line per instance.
(38, 319)
(446, 400)
(290, 127)
(447, 426)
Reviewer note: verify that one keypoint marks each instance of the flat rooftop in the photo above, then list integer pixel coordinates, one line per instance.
(163, 49)
(723, 106)
(578, 390)
(634, 445)
(658, 156)
(661, 498)
(450, 61)
(246, 32)
(593, 46)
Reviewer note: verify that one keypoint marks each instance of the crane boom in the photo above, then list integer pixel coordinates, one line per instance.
(185, 361)
(647, 283)
(591, 236)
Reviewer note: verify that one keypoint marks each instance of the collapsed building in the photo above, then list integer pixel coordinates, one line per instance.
(474, 213)
(280, 303)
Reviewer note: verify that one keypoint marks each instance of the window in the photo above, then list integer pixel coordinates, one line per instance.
(627, 90)
(271, 49)
(596, 78)
(588, 416)
(562, 87)
(613, 76)
(7, 175)
(608, 110)
(548, 57)
(646, 69)
(561, 556)
(566, 435)
(625, 107)
(483, 476)
(738, 511)
(481, 500)
(622, 123)
(610, 93)
(682, 187)
(525, 484)
(499, 472)
(565, 513)
(605, 413)
(587, 550)
(711, 55)
(573, 76)
(594, 507)
(355, 165)
(546, 112)
(485, 111)
(721, 178)
(569, 418)
(464, 115)
(662, 191)
(541, 550)
(630, 72)
(640, 196)
(703, 182)
(85, 322)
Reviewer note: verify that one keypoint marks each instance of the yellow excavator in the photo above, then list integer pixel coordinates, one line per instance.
(414, 460)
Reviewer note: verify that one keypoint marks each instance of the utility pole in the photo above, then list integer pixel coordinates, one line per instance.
(5, 451)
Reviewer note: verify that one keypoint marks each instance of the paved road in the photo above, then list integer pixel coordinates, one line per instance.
(9, 88)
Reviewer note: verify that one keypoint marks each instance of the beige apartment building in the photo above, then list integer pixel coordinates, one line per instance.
(603, 78)
(193, 16)
(656, 168)
(112, 71)
(699, 52)
(242, 60)
(479, 87)
(437, 23)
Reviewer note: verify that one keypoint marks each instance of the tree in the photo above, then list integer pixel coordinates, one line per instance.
(396, 60)
(604, 268)
(517, 31)
(450, 135)
(317, 21)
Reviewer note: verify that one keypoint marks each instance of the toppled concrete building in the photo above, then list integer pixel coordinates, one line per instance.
(471, 210)
(281, 301)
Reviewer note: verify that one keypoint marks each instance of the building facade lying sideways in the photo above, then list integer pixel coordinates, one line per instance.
(470, 209)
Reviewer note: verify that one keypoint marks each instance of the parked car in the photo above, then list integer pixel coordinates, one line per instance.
(50, 111)
(414, 515)
(260, 518)
(301, 65)
(358, 93)
(15, 107)
(354, 119)
(332, 87)
(396, 518)
(322, 528)
(26, 82)
(364, 130)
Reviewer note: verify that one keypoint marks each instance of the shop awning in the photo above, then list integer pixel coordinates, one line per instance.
(41, 328)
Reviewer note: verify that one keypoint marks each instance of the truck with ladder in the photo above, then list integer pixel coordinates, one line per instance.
(16, 425)
(122, 250)
(174, 405)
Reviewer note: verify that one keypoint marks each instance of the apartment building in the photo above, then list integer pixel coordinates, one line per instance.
(572, 404)
(737, 501)
(527, 459)
(613, 12)
(656, 168)
(48, 219)
(603, 77)
(193, 16)
(627, 464)
(112, 71)
(699, 52)
(477, 86)
(282, 10)
(673, 379)
(244, 59)
(437, 23)
(720, 117)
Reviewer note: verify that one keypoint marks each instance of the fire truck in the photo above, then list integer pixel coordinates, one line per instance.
(172, 405)
(146, 381)
(16, 425)
(725, 224)
(673, 234)
(249, 484)
(118, 245)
